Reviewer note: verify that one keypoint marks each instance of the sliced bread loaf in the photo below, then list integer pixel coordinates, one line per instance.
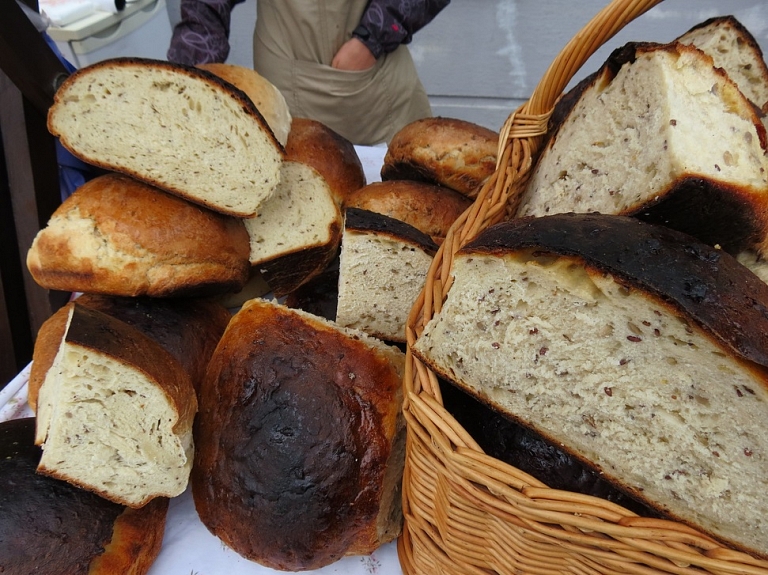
(662, 134)
(115, 411)
(382, 269)
(636, 348)
(176, 127)
(297, 231)
(300, 440)
(118, 236)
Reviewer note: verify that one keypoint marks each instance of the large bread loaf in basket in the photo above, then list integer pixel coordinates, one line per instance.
(466, 512)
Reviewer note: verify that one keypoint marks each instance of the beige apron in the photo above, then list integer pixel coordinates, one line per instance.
(293, 46)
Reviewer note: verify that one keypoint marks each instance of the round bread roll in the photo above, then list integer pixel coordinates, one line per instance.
(429, 208)
(267, 98)
(118, 236)
(446, 151)
(50, 526)
(315, 144)
(299, 440)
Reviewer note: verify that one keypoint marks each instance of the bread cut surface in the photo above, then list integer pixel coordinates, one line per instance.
(118, 236)
(633, 145)
(267, 98)
(638, 349)
(382, 269)
(297, 231)
(114, 412)
(299, 440)
(173, 126)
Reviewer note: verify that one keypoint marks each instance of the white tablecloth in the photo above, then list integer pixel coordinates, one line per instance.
(188, 547)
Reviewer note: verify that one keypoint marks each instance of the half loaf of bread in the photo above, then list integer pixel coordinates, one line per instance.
(50, 526)
(187, 328)
(300, 440)
(115, 235)
(176, 127)
(115, 411)
(662, 134)
(636, 348)
(382, 269)
(297, 231)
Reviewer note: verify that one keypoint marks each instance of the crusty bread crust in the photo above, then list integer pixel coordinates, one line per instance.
(299, 423)
(449, 152)
(315, 144)
(118, 236)
(359, 220)
(427, 207)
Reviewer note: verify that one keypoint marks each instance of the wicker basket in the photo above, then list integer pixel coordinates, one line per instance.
(466, 512)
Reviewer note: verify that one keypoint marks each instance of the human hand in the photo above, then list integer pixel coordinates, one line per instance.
(353, 56)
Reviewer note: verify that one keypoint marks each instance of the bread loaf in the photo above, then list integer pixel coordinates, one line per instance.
(115, 411)
(449, 152)
(636, 348)
(297, 232)
(382, 269)
(188, 329)
(315, 144)
(429, 208)
(300, 440)
(633, 145)
(176, 127)
(50, 526)
(115, 235)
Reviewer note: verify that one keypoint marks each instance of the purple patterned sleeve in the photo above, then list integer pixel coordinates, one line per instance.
(202, 35)
(394, 22)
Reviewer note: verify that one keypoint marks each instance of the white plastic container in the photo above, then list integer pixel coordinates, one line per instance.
(141, 29)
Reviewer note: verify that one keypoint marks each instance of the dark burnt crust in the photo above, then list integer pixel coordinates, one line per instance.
(104, 334)
(365, 221)
(714, 213)
(289, 272)
(705, 284)
(292, 439)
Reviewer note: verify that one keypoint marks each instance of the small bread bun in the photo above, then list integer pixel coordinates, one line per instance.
(453, 153)
(429, 208)
(267, 98)
(315, 144)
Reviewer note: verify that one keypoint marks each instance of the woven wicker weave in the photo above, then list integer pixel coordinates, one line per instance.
(466, 512)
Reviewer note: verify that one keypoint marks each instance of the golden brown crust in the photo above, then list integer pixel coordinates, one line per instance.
(449, 152)
(294, 434)
(364, 221)
(427, 207)
(118, 236)
(315, 144)
(46, 347)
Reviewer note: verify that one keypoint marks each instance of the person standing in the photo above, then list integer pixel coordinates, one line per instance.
(344, 63)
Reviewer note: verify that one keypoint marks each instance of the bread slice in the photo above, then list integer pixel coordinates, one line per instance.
(176, 127)
(50, 526)
(267, 98)
(733, 48)
(430, 208)
(187, 328)
(114, 412)
(668, 138)
(448, 152)
(636, 348)
(382, 269)
(315, 144)
(118, 236)
(300, 440)
(297, 232)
